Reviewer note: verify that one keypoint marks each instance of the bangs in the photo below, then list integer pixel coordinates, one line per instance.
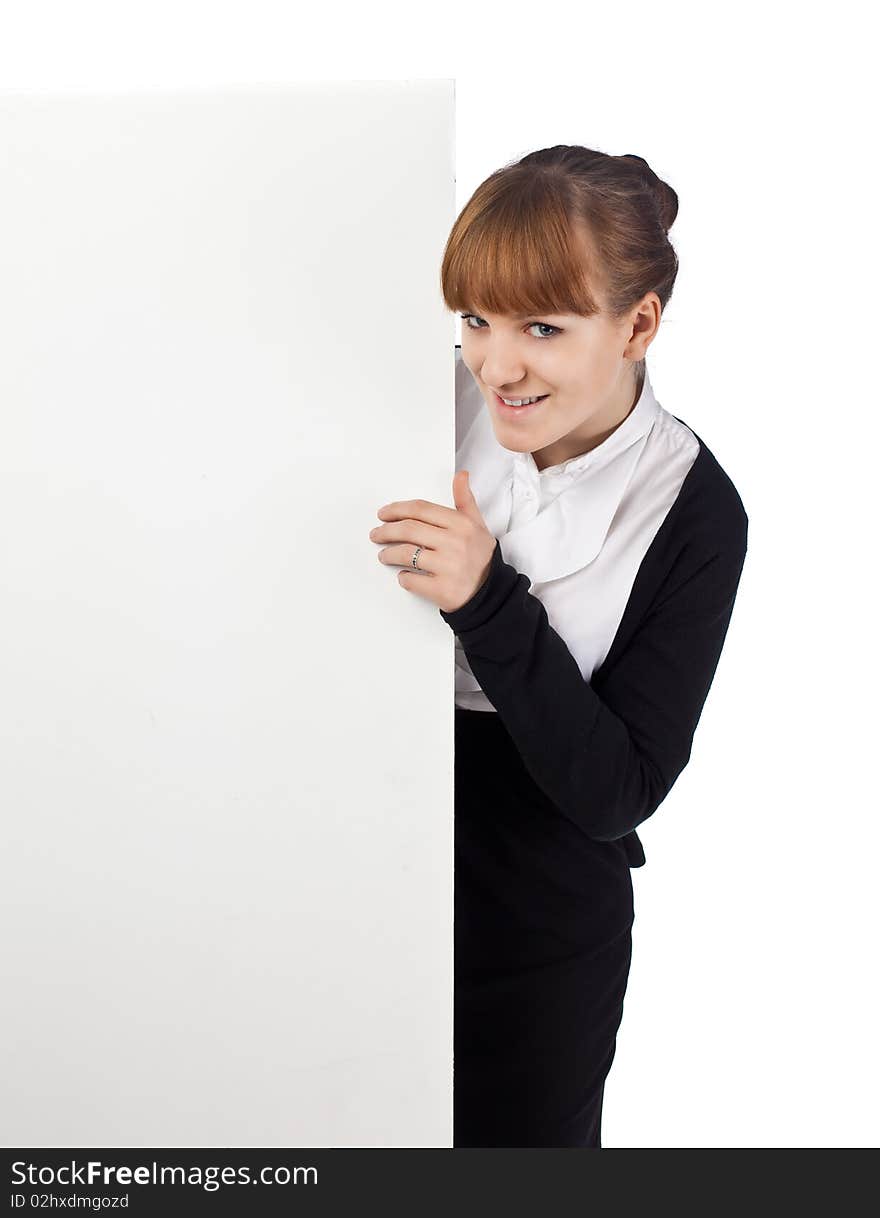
(518, 260)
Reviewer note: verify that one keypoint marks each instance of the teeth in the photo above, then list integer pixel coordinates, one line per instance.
(519, 402)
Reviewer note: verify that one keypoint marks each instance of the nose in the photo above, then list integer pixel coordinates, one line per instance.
(503, 374)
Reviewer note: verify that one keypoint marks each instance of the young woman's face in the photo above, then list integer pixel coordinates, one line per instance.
(584, 366)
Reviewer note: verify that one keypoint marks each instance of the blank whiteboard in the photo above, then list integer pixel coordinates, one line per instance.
(226, 731)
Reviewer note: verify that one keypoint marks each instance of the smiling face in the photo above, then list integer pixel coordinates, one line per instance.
(585, 366)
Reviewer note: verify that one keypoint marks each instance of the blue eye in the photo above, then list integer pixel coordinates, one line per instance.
(468, 317)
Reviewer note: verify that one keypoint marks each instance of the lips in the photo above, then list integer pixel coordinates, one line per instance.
(512, 411)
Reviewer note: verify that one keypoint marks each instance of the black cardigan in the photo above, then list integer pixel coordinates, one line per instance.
(606, 752)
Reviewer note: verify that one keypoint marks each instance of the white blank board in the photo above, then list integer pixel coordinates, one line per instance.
(226, 731)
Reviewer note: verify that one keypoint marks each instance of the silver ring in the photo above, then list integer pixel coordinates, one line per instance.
(415, 558)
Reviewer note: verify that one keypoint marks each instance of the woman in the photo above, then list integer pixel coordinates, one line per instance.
(588, 570)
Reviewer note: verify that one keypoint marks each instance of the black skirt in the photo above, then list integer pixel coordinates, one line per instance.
(543, 920)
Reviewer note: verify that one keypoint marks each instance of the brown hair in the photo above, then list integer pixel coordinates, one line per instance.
(539, 231)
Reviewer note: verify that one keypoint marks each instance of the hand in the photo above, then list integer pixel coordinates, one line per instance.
(458, 546)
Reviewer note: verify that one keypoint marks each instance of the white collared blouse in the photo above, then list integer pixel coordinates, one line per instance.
(579, 530)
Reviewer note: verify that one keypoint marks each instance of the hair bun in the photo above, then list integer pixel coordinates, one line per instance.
(664, 196)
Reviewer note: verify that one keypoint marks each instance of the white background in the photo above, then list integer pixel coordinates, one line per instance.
(751, 1013)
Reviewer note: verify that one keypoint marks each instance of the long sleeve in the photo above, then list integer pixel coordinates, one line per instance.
(606, 762)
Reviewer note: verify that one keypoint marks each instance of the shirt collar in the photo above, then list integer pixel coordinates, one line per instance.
(567, 533)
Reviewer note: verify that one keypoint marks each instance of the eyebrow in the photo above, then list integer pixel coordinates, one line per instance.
(535, 312)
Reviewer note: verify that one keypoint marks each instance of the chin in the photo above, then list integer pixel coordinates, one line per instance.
(525, 445)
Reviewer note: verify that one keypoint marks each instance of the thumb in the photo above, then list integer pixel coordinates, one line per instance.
(463, 496)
